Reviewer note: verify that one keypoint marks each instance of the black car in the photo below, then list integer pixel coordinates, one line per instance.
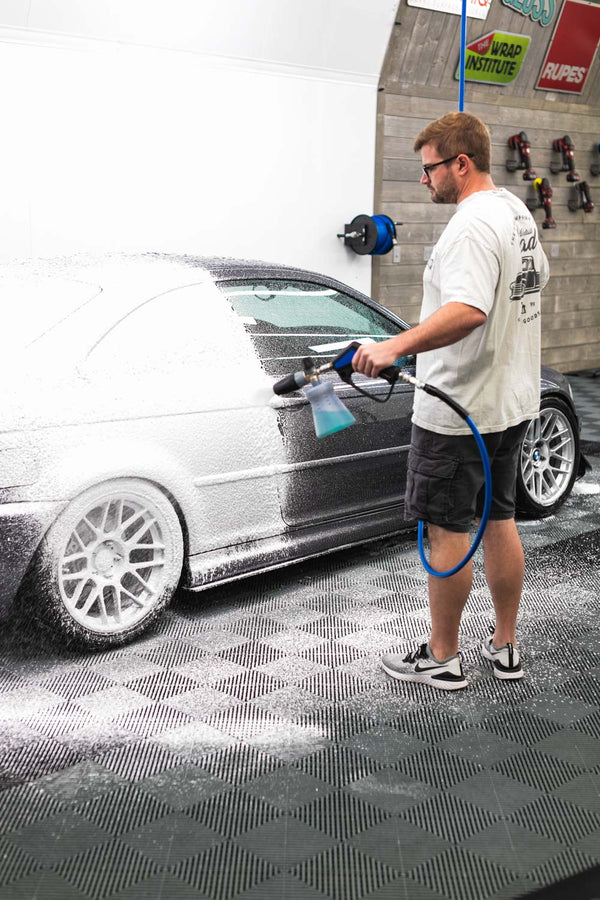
(142, 446)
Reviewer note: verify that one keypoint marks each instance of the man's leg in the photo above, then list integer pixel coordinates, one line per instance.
(504, 563)
(447, 596)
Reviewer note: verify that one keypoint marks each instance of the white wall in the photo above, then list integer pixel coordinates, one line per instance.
(234, 127)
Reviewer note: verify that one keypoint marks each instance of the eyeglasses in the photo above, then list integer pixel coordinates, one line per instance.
(430, 166)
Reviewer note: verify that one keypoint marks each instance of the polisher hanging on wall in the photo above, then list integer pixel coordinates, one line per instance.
(565, 146)
(583, 199)
(595, 167)
(521, 143)
(543, 199)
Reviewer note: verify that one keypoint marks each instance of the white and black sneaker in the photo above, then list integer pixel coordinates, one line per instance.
(506, 660)
(422, 666)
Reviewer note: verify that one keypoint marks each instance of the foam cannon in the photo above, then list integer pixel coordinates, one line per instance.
(520, 142)
(543, 198)
(329, 413)
(566, 148)
(583, 200)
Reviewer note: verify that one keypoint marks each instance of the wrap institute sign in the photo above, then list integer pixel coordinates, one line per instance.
(495, 58)
(572, 48)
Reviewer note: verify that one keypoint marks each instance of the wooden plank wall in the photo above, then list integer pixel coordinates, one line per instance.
(418, 85)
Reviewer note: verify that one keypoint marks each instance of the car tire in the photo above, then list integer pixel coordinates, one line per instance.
(109, 564)
(548, 460)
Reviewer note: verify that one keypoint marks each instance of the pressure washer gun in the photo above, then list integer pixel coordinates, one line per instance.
(521, 143)
(583, 200)
(329, 413)
(565, 146)
(543, 198)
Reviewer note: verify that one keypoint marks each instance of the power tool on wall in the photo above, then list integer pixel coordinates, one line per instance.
(520, 142)
(543, 199)
(583, 199)
(565, 146)
(595, 167)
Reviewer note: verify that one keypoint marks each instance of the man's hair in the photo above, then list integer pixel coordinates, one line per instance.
(456, 133)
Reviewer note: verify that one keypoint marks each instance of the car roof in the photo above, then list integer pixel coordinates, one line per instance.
(48, 292)
(106, 267)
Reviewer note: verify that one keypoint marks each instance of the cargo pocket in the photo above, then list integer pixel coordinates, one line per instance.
(430, 487)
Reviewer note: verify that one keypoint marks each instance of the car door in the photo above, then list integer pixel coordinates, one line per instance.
(359, 469)
(176, 394)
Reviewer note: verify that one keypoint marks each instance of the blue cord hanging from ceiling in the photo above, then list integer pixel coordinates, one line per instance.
(463, 53)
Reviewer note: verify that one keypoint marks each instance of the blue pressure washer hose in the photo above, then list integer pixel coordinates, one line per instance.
(487, 502)
(342, 364)
(487, 471)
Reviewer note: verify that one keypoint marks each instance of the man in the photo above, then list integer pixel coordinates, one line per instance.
(478, 340)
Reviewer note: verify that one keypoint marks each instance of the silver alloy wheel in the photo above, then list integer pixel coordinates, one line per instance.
(548, 456)
(115, 562)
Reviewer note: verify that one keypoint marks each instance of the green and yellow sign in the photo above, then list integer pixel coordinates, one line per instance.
(495, 58)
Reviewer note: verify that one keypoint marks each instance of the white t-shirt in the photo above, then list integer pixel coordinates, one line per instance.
(489, 256)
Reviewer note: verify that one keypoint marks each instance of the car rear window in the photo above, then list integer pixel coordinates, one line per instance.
(36, 305)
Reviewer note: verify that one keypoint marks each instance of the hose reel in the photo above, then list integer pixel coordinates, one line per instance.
(374, 235)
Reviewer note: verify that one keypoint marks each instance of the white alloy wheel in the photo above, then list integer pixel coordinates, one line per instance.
(549, 459)
(111, 561)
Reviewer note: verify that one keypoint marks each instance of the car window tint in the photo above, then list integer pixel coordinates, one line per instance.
(169, 333)
(289, 320)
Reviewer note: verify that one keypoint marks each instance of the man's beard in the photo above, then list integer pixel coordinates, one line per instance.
(446, 192)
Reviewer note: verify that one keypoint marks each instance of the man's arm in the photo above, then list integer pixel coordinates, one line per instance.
(447, 325)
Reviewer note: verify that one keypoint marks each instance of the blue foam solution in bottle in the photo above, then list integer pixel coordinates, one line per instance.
(329, 413)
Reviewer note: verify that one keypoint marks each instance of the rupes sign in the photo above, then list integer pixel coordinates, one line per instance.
(539, 10)
(495, 58)
(572, 48)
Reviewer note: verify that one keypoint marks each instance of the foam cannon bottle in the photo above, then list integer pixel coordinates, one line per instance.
(329, 413)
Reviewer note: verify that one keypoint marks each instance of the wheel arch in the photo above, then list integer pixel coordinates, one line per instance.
(68, 476)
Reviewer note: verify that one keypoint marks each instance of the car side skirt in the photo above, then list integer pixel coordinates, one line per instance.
(206, 570)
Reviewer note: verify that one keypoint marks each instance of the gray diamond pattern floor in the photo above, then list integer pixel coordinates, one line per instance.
(586, 393)
(251, 747)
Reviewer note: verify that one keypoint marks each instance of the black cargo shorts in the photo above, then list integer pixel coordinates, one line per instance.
(445, 484)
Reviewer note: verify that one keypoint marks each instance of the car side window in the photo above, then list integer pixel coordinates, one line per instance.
(288, 320)
(169, 333)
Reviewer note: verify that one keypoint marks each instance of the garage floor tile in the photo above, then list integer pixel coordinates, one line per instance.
(250, 746)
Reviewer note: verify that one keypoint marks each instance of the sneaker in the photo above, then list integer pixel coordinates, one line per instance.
(506, 660)
(421, 666)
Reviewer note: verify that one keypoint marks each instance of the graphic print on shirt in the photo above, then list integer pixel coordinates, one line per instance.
(527, 281)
